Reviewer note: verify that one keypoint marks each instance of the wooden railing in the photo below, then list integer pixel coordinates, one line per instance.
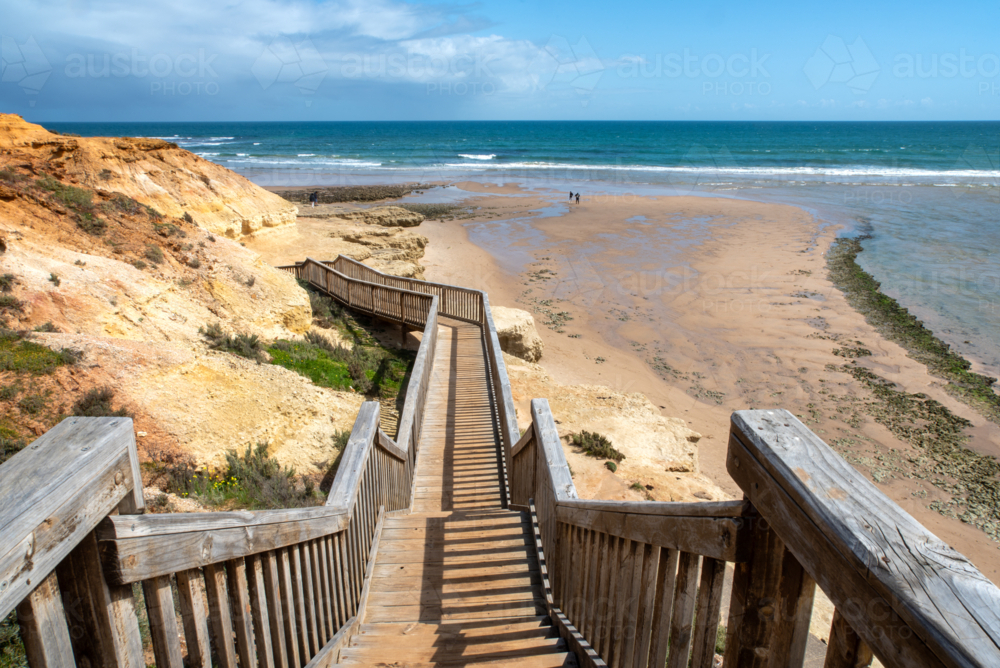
(257, 588)
(345, 279)
(627, 584)
(640, 584)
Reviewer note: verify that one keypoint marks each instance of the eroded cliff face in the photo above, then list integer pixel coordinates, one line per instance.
(153, 172)
(112, 265)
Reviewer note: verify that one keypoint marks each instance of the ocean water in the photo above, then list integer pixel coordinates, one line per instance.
(928, 194)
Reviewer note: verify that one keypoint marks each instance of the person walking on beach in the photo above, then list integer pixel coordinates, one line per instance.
(570, 195)
(313, 198)
(578, 198)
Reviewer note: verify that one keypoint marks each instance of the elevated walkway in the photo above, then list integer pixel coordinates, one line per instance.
(456, 581)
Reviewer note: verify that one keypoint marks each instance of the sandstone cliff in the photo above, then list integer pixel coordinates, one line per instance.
(111, 267)
(151, 171)
(661, 453)
(517, 334)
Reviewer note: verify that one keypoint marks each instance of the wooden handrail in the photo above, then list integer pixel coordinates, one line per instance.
(910, 597)
(808, 518)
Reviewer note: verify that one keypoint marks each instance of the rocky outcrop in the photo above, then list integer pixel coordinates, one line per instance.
(661, 453)
(151, 171)
(128, 284)
(326, 231)
(335, 194)
(517, 333)
(386, 216)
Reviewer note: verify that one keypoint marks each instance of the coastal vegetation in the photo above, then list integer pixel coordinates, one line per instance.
(938, 435)
(896, 323)
(597, 445)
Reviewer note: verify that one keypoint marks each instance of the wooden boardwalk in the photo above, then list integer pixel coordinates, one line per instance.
(456, 581)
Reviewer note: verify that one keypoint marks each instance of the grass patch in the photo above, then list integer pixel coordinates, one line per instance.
(252, 480)
(896, 323)
(20, 355)
(597, 445)
(242, 344)
(97, 403)
(11, 443)
(369, 369)
(123, 204)
(78, 200)
(10, 176)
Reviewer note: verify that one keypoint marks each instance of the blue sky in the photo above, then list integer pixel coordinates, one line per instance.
(192, 60)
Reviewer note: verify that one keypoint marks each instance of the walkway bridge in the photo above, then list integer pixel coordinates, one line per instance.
(461, 541)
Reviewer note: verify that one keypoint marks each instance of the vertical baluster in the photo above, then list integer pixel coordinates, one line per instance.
(644, 623)
(321, 562)
(287, 589)
(298, 596)
(275, 612)
(713, 573)
(336, 604)
(219, 616)
(162, 622)
(239, 597)
(322, 623)
(685, 594)
(666, 578)
(257, 591)
(343, 571)
(847, 649)
(601, 611)
(194, 615)
(44, 631)
(309, 596)
(637, 594)
(620, 603)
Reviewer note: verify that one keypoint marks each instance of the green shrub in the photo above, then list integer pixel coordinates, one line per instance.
(252, 480)
(611, 466)
(10, 303)
(244, 345)
(154, 254)
(7, 282)
(188, 218)
(123, 204)
(47, 327)
(54, 279)
(168, 230)
(33, 404)
(97, 403)
(597, 445)
(139, 264)
(91, 224)
(77, 199)
(11, 648)
(10, 176)
(194, 263)
(22, 356)
(8, 392)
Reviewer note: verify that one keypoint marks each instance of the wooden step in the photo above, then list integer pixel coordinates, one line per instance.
(453, 612)
(554, 660)
(466, 628)
(393, 649)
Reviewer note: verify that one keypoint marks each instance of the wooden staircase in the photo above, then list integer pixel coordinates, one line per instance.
(456, 581)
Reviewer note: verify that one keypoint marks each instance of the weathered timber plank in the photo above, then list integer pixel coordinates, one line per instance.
(42, 621)
(86, 470)
(194, 615)
(731, 509)
(713, 573)
(220, 616)
(720, 538)
(135, 559)
(824, 508)
(846, 649)
(163, 622)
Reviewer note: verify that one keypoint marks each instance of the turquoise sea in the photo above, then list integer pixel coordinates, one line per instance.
(927, 194)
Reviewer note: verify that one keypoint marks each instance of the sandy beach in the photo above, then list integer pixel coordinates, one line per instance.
(706, 306)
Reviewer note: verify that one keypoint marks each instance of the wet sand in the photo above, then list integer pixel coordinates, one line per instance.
(706, 306)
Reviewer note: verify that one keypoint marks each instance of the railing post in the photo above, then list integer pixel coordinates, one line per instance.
(771, 604)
